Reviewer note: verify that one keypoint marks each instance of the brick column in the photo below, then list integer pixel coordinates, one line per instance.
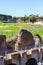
(22, 58)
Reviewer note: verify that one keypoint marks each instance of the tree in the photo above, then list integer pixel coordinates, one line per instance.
(32, 19)
(14, 19)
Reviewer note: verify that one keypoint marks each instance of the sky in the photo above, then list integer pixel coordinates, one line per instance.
(21, 7)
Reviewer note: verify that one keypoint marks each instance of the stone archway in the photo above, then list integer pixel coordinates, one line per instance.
(31, 61)
(11, 64)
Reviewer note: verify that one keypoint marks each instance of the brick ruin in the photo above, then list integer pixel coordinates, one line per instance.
(23, 40)
(3, 45)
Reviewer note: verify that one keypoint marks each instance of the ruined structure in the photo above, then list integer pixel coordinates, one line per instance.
(3, 45)
(22, 56)
(11, 42)
(23, 40)
(23, 44)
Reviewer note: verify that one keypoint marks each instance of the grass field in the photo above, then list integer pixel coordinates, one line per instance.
(11, 29)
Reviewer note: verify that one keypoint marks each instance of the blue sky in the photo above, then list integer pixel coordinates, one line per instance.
(21, 7)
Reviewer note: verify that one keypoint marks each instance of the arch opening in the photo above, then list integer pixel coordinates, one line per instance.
(31, 61)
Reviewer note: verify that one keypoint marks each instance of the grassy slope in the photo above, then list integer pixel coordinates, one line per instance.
(15, 27)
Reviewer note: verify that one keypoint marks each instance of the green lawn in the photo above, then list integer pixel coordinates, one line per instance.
(11, 29)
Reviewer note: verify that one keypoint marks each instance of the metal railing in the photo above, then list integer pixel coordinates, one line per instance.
(3, 53)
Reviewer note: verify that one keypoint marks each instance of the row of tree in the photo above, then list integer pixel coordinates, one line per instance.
(30, 18)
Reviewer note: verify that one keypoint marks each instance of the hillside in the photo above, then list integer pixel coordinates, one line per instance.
(31, 18)
(12, 29)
